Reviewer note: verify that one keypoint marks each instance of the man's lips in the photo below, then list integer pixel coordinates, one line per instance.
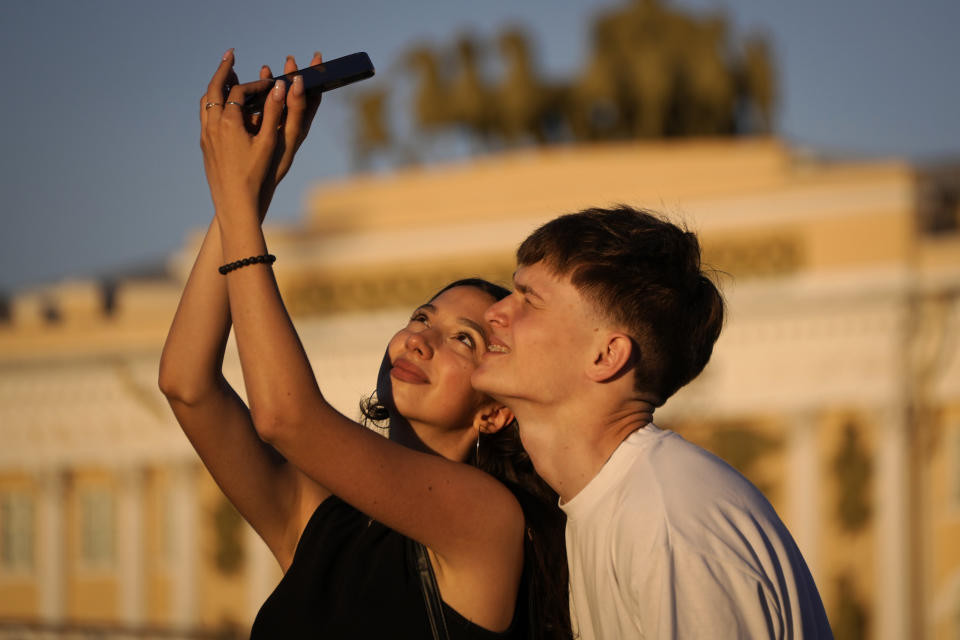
(496, 346)
(408, 372)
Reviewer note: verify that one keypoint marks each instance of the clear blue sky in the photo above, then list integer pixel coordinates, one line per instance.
(101, 162)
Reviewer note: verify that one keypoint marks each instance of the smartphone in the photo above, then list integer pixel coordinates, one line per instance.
(321, 77)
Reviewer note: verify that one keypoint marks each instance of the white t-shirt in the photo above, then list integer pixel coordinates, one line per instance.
(669, 541)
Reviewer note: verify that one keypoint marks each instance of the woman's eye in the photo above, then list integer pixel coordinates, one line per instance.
(466, 339)
(419, 317)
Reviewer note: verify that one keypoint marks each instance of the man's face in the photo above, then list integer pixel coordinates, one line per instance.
(541, 340)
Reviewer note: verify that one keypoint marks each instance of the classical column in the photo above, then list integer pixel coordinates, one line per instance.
(262, 571)
(184, 545)
(892, 599)
(803, 487)
(52, 554)
(130, 547)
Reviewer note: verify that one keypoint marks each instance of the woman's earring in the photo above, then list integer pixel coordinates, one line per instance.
(477, 458)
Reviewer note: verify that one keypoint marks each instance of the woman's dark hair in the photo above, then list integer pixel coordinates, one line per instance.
(502, 455)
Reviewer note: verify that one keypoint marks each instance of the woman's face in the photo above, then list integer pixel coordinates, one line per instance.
(433, 357)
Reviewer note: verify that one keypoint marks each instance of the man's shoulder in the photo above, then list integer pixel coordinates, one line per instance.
(679, 482)
(681, 465)
(657, 475)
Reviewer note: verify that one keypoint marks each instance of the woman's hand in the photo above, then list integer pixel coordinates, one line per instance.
(246, 155)
(294, 128)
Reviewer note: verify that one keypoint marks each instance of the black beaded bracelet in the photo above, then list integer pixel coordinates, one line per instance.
(268, 258)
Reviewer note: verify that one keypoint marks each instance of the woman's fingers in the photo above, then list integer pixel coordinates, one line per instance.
(232, 80)
(272, 112)
(233, 106)
(235, 114)
(300, 110)
(296, 104)
(265, 74)
(213, 99)
(312, 103)
(286, 111)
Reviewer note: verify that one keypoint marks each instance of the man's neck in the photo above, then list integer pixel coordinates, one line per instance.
(569, 445)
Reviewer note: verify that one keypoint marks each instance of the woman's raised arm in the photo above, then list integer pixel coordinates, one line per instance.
(261, 485)
(458, 511)
(272, 495)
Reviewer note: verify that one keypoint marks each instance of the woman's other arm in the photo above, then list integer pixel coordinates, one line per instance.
(272, 495)
(463, 514)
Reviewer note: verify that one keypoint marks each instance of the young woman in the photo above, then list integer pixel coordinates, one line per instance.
(340, 506)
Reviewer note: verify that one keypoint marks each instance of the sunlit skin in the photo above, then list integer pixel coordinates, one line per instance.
(432, 360)
(566, 372)
(547, 329)
(471, 524)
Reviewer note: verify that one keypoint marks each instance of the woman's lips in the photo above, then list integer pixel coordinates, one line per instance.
(408, 372)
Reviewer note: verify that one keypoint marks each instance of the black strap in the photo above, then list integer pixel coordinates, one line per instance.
(431, 594)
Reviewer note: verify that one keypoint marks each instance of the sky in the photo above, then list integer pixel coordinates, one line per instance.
(101, 168)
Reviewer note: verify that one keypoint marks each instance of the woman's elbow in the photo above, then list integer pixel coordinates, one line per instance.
(179, 386)
(276, 425)
(168, 380)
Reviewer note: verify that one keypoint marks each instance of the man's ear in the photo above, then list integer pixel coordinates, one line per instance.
(492, 417)
(614, 355)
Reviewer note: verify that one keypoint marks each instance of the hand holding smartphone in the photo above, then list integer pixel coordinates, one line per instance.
(321, 77)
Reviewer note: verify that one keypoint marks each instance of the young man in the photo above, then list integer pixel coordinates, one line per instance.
(612, 314)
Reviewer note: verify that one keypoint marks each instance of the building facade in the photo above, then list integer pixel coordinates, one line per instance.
(835, 386)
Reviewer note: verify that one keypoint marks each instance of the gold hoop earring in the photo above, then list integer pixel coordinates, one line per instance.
(477, 454)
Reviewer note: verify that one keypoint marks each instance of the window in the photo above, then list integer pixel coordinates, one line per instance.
(167, 539)
(16, 532)
(953, 460)
(97, 526)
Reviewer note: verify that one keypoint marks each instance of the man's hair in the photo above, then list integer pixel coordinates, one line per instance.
(644, 275)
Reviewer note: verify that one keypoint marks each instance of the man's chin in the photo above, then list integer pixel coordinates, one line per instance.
(482, 378)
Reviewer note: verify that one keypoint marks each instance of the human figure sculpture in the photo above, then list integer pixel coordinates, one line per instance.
(431, 104)
(529, 109)
(651, 72)
(371, 132)
(645, 68)
(759, 83)
(595, 109)
(706, 92)
(519, 98)
(470, 97)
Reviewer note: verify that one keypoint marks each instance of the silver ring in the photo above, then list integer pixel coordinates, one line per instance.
(235, 103)
(212, 104)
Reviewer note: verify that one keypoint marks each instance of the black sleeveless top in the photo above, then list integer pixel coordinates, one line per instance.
(353, 578)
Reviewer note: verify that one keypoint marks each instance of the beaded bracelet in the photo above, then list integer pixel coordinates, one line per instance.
(268, 258)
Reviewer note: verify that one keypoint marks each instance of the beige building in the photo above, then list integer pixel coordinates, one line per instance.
(835, 385)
